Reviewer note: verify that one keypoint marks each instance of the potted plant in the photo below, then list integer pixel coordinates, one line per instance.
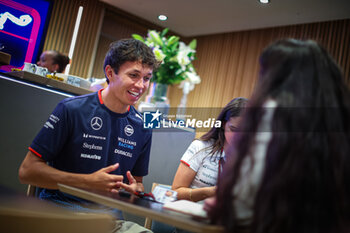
(176, 64)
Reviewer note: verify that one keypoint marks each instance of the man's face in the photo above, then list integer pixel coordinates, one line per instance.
(131, 82)
(46, 60)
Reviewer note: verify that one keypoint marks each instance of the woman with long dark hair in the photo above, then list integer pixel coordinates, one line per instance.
(290, 171)
(197, 173)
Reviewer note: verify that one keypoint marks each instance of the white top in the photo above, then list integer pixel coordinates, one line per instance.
(199, 159)
(250, 177)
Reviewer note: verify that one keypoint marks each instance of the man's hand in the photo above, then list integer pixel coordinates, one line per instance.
(35, 171)
(133, 185)
(102, 180)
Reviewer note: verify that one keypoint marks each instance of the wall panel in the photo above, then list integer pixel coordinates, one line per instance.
(115, 26)
(60, 31)
(228, 63)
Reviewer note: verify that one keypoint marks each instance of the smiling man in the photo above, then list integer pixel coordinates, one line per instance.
(97, 140)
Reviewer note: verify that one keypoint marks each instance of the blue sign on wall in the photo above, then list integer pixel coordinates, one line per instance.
(23, 26)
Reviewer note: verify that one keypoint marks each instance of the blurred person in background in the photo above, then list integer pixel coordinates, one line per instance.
(200, 165)
(54, 61)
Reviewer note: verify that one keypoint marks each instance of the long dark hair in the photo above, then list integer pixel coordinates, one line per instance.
(305, 186)
(232, 109)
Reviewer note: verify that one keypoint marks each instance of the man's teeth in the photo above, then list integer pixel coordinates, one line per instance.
(134, 93)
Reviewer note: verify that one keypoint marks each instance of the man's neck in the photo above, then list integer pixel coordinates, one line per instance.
(112, 103)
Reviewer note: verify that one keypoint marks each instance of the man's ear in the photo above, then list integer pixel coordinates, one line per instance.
(109, 71)
(56, 67)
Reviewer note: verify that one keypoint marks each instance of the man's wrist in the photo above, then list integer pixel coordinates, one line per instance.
(139, 187)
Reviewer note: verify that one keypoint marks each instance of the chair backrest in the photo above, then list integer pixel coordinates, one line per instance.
(148, 220)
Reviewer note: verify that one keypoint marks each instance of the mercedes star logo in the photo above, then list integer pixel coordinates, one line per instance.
(96, 123)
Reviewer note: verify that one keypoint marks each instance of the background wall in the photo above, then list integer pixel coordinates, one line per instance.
(60, 32)
(227, 63)
(116, 25)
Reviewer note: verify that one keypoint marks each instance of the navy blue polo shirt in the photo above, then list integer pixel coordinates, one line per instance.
(82, 136)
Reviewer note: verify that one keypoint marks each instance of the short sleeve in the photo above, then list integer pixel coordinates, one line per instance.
(51, 138)
(195, 154)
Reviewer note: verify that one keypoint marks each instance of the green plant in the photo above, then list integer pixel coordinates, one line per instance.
(175, 55)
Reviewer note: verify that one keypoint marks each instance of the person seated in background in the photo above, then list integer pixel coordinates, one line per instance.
(290, 170)
(200, 165)
(196, 176)
(54, 61)
(96, 141)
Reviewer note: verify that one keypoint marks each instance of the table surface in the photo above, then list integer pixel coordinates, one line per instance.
(145, 208)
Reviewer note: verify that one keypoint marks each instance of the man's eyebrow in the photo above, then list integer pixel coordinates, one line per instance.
(135, 70)
(138, 71)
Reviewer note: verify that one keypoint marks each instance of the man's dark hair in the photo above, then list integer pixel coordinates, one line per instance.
(60, 59)
(125, 50)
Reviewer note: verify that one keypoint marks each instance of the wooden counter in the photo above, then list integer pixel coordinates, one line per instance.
(49, 82)
(5, 58)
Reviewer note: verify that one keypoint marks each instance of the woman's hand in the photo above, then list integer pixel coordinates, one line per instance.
(209, 203)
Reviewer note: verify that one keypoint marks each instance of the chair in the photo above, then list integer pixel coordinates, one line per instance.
(148, 220)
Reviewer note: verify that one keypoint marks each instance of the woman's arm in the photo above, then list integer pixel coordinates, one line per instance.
(182, 181)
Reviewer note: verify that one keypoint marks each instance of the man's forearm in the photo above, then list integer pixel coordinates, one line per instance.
(36, 172)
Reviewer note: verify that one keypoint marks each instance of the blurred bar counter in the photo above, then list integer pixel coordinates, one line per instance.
(48, 82)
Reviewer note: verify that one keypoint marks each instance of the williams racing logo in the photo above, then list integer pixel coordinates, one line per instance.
(129, 130)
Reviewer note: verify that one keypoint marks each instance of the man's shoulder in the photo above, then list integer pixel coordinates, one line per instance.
(78, 101)
(135, 115)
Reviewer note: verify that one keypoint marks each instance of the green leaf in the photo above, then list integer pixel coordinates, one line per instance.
(164, 32)
(193, 44)
(155, 37)
(138, 37)
(174, 47)
(173, 39)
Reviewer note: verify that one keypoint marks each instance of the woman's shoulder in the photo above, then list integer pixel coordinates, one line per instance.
(196, 151)
(200, 144)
